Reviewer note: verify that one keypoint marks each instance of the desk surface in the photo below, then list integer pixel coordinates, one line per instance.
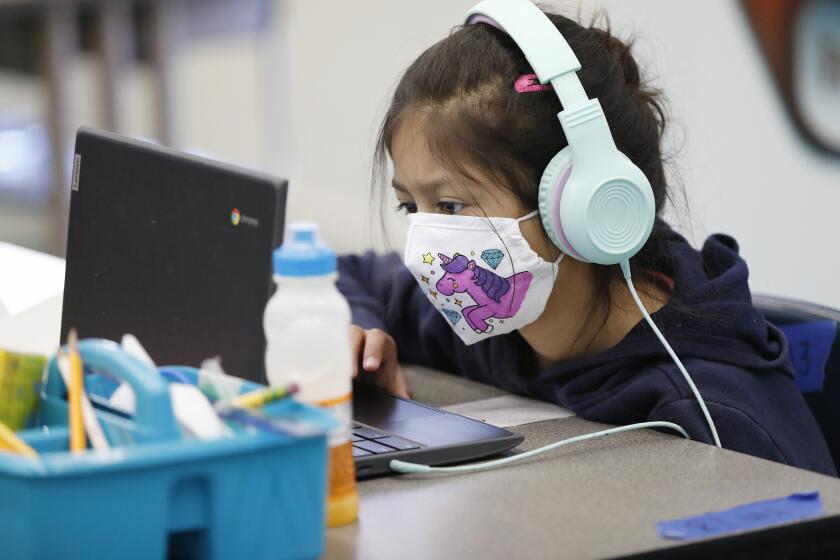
(596, 499)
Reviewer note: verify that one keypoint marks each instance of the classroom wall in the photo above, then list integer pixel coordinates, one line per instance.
(303, 97)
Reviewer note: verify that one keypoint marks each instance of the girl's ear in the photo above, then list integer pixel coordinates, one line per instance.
(471, 265)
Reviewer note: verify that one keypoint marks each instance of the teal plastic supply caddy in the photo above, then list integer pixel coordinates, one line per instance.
(254, 495)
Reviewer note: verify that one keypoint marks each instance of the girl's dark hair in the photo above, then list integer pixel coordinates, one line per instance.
(463, 88)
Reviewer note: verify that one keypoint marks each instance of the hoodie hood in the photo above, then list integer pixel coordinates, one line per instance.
(709, 317)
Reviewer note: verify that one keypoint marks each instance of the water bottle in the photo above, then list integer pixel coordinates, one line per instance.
(306, 329)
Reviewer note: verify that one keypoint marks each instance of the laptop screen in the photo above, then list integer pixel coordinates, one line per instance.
(172, 248)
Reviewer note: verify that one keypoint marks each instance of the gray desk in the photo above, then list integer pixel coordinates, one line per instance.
(597, 499)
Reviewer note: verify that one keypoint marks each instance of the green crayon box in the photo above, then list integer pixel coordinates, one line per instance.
(20, 386)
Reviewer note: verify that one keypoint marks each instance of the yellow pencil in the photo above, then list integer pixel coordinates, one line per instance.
(9, 441)
(78, 442)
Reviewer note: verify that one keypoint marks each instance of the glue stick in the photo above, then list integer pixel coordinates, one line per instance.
(307, 343)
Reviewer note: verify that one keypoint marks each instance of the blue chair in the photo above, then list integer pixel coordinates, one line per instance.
(812, 331)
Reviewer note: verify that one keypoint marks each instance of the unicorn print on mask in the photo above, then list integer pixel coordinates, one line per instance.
(493, 295)
(492, 284)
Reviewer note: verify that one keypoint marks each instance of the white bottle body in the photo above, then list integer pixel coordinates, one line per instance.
(306, 325)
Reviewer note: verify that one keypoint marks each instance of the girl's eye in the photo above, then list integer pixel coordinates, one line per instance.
(407, 207)
(450, 207)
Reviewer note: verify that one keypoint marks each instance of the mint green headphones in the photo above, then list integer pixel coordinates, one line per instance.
(595, 204)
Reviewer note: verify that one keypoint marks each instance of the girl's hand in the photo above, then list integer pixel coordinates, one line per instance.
(376, 354)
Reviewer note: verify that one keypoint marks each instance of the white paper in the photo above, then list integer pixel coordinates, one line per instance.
(195, 413)
(27, 278)
(192, 410)
(132, 347)
(122, 398)
(509, 410)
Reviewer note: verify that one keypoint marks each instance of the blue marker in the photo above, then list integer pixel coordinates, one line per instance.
(279, 426)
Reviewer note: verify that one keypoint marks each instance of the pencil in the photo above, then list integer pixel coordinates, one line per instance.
(9, 441)
(78, 441)
(93, 428)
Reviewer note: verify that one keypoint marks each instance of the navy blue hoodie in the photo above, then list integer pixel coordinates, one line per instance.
(738, 361)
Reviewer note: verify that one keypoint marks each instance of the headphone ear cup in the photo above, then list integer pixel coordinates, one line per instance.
(552, 183)
(608, 212)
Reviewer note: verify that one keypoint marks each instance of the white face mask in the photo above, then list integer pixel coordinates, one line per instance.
(480, 273)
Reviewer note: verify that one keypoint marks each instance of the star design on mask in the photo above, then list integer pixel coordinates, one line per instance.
(424, 278)
(428, 258)
(458, 302)
(434, 293)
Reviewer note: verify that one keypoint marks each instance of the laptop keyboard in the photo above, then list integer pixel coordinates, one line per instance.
(368, 441)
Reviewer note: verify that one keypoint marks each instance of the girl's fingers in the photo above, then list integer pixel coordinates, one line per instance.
(377, 352)
(375, 343)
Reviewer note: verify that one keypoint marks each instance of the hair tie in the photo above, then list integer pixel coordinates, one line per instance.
(527, 83)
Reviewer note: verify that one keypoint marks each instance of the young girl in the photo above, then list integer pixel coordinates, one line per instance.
(469, 132)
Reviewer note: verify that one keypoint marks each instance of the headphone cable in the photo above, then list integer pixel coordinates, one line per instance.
(625, 270)
(405, 467)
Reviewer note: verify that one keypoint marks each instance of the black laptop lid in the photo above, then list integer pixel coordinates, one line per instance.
(173, 248)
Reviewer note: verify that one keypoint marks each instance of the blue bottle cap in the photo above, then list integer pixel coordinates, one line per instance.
(303, 253)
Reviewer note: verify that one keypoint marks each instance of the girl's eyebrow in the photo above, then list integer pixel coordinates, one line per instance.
(432, 185)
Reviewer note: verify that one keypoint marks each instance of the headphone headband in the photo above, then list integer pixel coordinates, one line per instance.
(544, 46)
(553, 60)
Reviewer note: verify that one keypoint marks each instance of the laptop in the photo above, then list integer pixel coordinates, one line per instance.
(176, 249)
(172, 248)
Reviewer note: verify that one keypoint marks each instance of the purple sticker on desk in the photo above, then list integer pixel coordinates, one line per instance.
(810, 345)
(756, 515)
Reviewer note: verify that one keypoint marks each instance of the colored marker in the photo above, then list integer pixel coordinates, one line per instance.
(283, 426)
(9, 441)
(260, 397)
